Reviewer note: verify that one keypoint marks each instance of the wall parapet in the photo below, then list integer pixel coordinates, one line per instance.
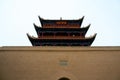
(59, 48)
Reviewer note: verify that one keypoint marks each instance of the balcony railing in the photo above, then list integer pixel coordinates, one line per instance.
(61, 37)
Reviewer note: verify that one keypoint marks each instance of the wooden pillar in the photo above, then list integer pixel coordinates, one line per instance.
(54, 34)
(80, 34)
(68, 34)
(42, 34)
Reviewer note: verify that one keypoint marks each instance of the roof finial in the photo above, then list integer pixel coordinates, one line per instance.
(60, 18)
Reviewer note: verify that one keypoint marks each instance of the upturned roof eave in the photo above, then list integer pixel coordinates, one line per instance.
(38, 29)
(85, 38)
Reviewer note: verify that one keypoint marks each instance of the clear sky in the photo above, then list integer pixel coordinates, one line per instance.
(17, 18)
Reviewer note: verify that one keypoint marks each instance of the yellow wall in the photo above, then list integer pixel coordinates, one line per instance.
(53, 63)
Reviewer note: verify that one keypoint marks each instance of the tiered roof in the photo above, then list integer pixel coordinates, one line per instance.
(61, 33)
(61, 23)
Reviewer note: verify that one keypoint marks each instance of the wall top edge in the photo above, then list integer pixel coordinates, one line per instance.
(59, 48)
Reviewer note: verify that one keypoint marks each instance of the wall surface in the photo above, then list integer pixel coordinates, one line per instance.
(54, 63)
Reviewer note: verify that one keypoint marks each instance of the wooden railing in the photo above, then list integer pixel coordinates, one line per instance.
(61, 37)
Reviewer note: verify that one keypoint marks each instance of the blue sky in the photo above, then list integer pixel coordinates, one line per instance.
(17, 18)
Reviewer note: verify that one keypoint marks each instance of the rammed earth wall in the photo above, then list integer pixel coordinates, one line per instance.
(59, 63)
